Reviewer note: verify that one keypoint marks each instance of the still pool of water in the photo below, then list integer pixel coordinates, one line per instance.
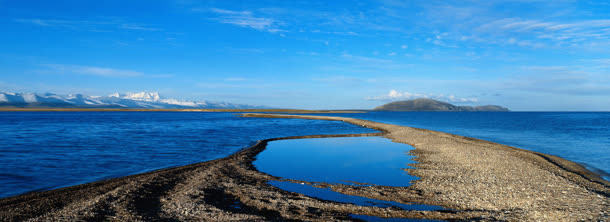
(328, 194)
(379, 219)
(364, 160)
(341, 160)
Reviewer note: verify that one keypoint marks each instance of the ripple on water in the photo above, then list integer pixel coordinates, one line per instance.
(57, 149)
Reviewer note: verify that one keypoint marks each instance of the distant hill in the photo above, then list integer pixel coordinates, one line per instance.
(434, 105)
(143, 100)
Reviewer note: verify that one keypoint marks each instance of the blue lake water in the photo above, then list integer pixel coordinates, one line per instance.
(582, 137)
(364, 160)
(46, 150)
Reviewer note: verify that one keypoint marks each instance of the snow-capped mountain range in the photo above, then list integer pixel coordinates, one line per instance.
(118, 100)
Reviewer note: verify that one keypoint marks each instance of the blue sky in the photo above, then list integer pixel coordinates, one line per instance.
(524, 54)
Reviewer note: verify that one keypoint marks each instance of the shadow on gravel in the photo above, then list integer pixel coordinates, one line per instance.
(228, 202)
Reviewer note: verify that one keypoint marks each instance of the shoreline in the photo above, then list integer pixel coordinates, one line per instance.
(19, 109)
(480, 179)
(460, 156)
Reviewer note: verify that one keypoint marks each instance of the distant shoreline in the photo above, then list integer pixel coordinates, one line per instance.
(16, 109)
(304, 111)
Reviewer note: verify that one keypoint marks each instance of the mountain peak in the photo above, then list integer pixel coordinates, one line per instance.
(116, 100)
(143, 96)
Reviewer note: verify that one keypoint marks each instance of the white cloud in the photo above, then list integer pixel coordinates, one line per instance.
(366, 59)
(394, 95)
(138, 27)
(309, 53)
(537, 30)
(91, 70)
(246, 19)
(162, 76)
(229, 12)
(35, 21)
(559, 80)
(100, 25)
(404, 46)
(602, 63)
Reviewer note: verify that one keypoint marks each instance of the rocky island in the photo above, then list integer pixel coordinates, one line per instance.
(434, 105)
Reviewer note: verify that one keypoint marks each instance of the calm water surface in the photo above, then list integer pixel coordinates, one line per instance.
(46, 150)
(582, 137)
(354, 161)
(368, 160)
(328, 194)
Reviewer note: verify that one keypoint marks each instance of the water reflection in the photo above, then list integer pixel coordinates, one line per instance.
(368, 160)
(328, 194)
(379, 219)
(354, 161)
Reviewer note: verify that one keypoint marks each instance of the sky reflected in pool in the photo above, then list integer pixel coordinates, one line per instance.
(370, 160)
(328, 194)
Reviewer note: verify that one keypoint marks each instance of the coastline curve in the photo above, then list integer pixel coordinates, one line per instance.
(480, 179)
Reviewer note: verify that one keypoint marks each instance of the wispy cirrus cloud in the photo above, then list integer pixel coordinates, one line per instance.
(366, 59)
(602, 63)
(555, 24)
(559, 32)
(452, 24)
(92, 70)
(246, 19)
(237, 79)
(394, 95)
(163, 76)
(100, 25)
(138, 27)
(84, 25)
(559, 80)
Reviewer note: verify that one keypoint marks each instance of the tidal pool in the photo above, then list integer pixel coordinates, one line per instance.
(354, 161)
(346, 160)
(328, 194)
(379, 219)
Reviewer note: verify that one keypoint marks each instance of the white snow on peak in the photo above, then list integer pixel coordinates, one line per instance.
(143, 96)
(178, 102)
(29, 97)
(3, 97)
